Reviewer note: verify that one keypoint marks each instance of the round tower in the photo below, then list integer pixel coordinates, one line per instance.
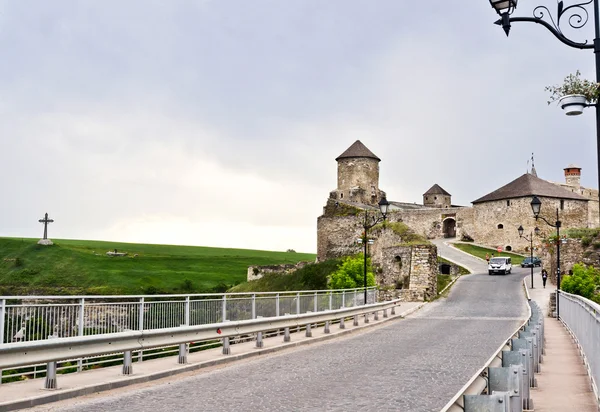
(437, 197)
(573, 176)
(358, 176)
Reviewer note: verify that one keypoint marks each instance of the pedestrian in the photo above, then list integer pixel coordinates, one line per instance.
(544, 277)
(487, 258)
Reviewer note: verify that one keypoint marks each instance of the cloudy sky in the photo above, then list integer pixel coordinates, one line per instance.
(217, 122)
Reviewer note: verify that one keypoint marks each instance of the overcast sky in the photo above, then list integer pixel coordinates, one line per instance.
(217, 122)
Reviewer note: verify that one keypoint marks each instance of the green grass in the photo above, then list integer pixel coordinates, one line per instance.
(480, 252)
(443, 281)
(82, 267)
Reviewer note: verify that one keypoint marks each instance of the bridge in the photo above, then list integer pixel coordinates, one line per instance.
(418, 363)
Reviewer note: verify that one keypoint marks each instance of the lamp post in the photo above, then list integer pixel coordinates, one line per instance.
(536, 206)
(577, 16)
(530, 239)
(368, 223)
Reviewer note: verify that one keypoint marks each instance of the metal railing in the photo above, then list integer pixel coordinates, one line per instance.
(32, 318)
(581, 316)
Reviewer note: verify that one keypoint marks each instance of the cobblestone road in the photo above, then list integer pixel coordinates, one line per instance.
(416, 364)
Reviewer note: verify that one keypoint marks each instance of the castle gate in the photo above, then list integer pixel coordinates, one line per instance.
(449, 227)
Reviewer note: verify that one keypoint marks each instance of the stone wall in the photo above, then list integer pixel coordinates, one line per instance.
(571, 252)
(497, 221)
(429, 222)
(257, 272)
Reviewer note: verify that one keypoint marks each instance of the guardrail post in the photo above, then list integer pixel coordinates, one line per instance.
(355, 323)
(259, 337)
(507, 380)
(50, 382)
(326, 329)
(393, 311)
(141, 326)
(376, 315)
(81, 319)
(308, 328)
(496, 402)
(385, 315)
(366, 318)
(342, 324)
(183, 352)
(286, 335)
(226, 347)
(127, 363)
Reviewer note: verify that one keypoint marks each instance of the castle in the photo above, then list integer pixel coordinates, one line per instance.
(492, 220)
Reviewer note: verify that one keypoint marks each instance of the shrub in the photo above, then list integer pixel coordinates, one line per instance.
(350, 273)
(466, 238)
(290, 251)
(582, 282)
(586, 241)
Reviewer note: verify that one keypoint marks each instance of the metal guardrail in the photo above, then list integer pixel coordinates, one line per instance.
(31, 318)
(504, 383)
(581, 317)
(58, 349)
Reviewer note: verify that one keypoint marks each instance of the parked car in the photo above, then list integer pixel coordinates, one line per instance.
(500, 264)
(531, 262)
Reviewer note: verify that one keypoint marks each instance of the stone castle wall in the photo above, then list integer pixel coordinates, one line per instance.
(358, 181)
(495, 223)
(257, 272)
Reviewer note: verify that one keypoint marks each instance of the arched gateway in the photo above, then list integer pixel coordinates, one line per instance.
(449, 227)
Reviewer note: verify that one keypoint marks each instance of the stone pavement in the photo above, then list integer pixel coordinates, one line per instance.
(563, 384)
(29, 393)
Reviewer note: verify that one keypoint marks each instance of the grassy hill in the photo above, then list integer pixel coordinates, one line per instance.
(82, 267)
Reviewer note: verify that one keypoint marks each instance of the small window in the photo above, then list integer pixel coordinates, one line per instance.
(500, 226)
(341, 195)
(562, 204)
(435, 198)
(508, 203)
(426, 198)
(508, 249)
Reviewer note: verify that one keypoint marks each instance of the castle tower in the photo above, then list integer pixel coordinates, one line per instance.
(573, 176)
(437, 197)
(358, 176)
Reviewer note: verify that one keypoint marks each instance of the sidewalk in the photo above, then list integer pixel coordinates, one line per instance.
(30, 393)
(563, 384)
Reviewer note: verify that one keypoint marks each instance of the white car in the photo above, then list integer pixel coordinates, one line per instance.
(499, 264)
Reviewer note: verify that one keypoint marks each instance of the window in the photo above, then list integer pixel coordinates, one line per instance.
(435, 198)
(508, 248)
(500, 226)
(426, 198)
(341, 195)
(562, 204)
(508, 203)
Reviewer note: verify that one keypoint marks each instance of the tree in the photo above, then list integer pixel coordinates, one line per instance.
(350, 273)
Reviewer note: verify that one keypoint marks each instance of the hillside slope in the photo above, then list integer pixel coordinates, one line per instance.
(82, 267)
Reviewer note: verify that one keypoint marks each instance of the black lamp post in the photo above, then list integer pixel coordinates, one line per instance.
(536, 206)
(368, 223)
(530, 239)
(577, 16)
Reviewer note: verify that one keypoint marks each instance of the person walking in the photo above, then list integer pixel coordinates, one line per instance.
(544, 277)
(487, 258)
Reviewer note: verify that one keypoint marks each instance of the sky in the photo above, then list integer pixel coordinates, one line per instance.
(217, 122)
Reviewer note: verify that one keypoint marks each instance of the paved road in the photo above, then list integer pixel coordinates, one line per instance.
(416, 364)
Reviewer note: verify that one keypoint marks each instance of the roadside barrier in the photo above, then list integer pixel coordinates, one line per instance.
(503, 384)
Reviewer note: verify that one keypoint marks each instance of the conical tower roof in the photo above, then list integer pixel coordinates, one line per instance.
(357, 150)
(436, 190)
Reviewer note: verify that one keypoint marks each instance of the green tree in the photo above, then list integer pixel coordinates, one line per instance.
(350, 273)
(583, 282)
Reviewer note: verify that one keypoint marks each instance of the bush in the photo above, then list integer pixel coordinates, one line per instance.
(582, 282)
(290, 251)
(466, 238)
(586, 241)
(350, 273)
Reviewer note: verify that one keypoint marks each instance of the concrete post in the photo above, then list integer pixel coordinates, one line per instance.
(342, 324)
(376, 315)
(355, 320)
(259, 337)
(226, 348)
(286, 335)
(308, 331)
(326, 329)
(385, 315)
(366, 318)
(183, 352)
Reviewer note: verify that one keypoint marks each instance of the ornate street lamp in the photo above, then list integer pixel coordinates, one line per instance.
(530, 239)
(368, 223)
(577, 16)
(536, 207)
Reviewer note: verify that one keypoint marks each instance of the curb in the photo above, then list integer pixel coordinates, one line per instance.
(122, 381)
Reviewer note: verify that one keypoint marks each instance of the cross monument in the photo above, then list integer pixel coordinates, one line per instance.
(45, 221)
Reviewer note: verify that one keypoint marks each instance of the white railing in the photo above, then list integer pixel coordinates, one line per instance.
(32, 318)
(582, 317)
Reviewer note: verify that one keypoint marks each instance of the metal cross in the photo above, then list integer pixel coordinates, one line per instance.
(45, 221)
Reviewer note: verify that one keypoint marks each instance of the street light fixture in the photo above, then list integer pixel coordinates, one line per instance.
(368, 223)
(577, 16)
(530, 239)
(536, 206)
